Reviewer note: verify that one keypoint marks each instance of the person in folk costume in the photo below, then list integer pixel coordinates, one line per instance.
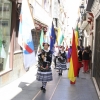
(44, 73)
(79, 59)
(61, 65)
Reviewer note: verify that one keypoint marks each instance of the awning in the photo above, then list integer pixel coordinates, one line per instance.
(84, 24)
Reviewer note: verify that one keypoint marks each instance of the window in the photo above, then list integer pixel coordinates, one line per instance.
(5, 27)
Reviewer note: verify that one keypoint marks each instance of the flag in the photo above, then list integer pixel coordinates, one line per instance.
(61, 38)
(25, 36)
(77, 36)
(58, 36)
(41, 39)
(52, 38)
(2, 53)
(72, 73)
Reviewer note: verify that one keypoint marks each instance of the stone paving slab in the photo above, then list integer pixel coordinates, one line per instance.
(27, 88)
(82, 90)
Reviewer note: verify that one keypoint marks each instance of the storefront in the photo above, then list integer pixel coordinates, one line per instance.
(11, 57)
(5, 28)
(11, 66)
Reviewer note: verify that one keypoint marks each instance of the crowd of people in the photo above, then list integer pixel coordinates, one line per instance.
(60, 56)
(84, 58)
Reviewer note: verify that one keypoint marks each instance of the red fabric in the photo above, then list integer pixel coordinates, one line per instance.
(68, 60)
(91, 14)
(79, 64)
(74, 56)
(27, 48)
(85, 65)
(72, 82)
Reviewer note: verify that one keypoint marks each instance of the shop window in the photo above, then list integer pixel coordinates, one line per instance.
(5, 27)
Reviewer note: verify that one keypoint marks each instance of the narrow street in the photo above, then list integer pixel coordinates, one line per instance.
(42, 31)
(27, 88)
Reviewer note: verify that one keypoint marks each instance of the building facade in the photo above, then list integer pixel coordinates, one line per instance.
(59, 16)
(91, 28)
(96, 44)
(11, 66)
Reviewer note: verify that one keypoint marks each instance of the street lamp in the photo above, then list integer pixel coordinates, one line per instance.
(82, 9)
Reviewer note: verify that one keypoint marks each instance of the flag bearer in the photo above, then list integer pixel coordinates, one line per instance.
(44, 73)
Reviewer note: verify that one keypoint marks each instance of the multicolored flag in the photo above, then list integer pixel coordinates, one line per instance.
(73, 69)
(25, 36)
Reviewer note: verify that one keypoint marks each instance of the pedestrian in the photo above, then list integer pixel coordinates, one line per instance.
(61, 64)
(55, 54)
(90, 56)
(82, 48)
(79, 59)
(44, 73)
(69, 54)
(85, 58)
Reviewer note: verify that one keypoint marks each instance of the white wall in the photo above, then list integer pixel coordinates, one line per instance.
(40, 13)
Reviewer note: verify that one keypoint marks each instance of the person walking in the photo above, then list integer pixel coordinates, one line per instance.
(44, 73)
(79, 59)
(85, 58)
(69, 54)
(90, 57)
(55, 55)
(61, 64)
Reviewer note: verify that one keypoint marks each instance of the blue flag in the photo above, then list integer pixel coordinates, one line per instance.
(52, 38)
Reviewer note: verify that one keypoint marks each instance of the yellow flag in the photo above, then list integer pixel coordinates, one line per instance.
(71, 72)
(76, 38)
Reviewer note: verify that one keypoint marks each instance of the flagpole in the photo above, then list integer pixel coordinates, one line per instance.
(31, 12)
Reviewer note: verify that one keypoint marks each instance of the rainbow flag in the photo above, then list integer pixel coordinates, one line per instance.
(72, 73)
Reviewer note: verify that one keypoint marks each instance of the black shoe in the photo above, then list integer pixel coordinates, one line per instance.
(44, 90)
(61, 74)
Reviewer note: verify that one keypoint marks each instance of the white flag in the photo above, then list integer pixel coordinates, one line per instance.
(2, 53)
(25, 36)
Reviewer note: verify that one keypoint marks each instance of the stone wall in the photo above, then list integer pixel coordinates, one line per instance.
(17, 71)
